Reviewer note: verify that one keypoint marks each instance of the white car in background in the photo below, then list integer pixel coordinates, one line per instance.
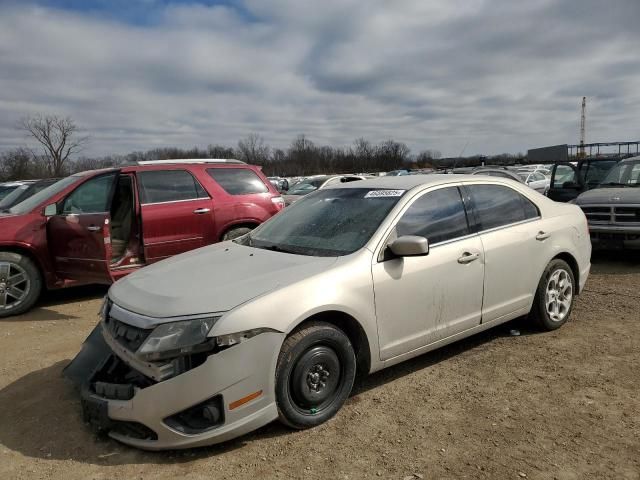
(536, 180)
(214, 343)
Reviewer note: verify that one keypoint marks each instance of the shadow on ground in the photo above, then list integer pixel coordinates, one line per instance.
(615, 262)
(41, 415)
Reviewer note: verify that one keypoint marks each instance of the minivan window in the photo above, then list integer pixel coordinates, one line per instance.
(498, 205)
(90, 197)
(438, 216)
(564, 174)
(238, 181)
(159, 186)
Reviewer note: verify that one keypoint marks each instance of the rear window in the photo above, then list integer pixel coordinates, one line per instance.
(160, 186)
(238, 181)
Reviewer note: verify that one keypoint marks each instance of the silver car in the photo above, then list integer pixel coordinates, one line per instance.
(214, 343)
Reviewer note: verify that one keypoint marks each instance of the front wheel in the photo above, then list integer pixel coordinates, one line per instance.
(314, 376)
(20, 284)
(553, 302)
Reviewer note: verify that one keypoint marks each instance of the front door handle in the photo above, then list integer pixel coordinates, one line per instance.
(541, 236)
(468, 257)
(94, 228)
(200, 211)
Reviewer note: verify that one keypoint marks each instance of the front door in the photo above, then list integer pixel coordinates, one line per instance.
(420, 300)
(78, 235)
(177, 213)
(566, 183)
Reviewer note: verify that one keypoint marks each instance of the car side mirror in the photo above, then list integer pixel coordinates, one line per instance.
(409, 246)
(50, 210)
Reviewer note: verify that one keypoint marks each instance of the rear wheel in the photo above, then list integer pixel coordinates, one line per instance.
(20, 283)
(235, 233)
(554, 298)
(315, 374)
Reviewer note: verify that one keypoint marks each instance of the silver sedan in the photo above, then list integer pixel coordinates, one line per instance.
(214, 343)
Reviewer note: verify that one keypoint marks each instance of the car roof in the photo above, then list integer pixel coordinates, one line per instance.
(406, 182)
(630, 160)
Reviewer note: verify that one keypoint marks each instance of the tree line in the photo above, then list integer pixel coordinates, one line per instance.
(59, 144)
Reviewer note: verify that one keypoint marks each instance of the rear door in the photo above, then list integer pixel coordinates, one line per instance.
(78, 235)
(566, 183)
(514, 242)
(177, 213)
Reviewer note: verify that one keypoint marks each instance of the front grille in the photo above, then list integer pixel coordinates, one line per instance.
(627, 214)
(126, 335)
(598, 214)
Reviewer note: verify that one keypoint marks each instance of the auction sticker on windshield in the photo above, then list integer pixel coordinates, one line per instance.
(384, 193)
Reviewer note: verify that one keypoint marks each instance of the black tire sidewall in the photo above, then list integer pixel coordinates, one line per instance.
(541, 316)
(235, 233)
(318, 334)
(34, 276)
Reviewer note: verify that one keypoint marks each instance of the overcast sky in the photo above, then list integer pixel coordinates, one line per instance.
(500, 75)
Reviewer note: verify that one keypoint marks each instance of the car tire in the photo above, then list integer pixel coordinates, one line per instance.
(314, 376)
(18, 273)
(554, 297)
(235, 233)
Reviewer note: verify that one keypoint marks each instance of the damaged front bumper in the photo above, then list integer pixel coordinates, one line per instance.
(203, 405)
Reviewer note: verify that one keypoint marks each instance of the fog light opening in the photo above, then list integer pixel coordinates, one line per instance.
(198, 418)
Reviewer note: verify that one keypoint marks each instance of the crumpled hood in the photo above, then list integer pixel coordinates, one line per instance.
(216, 278)
(610, 195)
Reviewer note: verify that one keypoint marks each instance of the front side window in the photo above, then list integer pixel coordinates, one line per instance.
(594, 172)
(564, 174)
(238, 181)
(498, 205)
(159, 186)
(438, 216)
(91, 197)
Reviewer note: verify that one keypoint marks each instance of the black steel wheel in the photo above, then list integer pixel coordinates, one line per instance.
(315, 373)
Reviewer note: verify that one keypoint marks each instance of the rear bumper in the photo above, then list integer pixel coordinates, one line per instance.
(230, 375)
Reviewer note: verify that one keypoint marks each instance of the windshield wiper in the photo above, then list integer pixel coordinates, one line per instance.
(276, 248)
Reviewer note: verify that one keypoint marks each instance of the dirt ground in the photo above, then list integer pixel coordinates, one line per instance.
(559, 405)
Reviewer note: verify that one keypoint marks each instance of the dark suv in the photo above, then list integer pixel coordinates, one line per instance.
(97, 226)
(613, 208)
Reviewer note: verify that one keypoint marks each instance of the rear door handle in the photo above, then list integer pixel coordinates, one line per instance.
(468, 257)
(200, 211)
(94, 228)
(541, 236)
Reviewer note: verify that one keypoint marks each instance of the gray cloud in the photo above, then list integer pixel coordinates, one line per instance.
(499, 74)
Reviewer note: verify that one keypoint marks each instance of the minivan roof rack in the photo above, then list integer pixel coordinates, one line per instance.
(190, 160)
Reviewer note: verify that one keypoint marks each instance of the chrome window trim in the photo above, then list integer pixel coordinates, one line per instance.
(174, 201)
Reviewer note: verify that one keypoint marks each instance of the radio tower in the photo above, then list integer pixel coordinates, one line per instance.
(582, 153)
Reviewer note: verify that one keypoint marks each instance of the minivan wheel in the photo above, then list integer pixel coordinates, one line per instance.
(235, 233)
(314, 376)
(554, 298)
(20, 284)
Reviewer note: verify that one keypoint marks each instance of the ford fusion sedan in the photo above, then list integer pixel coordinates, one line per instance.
(214, 343)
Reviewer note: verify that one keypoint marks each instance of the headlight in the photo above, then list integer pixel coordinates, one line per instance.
(234, 338)
(177, 338)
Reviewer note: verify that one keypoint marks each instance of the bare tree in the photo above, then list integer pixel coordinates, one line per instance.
(252, 149)
(58, 138)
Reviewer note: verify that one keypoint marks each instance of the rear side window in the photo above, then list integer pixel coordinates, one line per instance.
(438, 216)
(159, 186)
(497, 205)
(238, 181)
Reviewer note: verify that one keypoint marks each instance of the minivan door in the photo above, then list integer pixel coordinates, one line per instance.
(78, 235)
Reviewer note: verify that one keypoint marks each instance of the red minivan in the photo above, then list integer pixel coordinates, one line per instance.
(97, 226)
